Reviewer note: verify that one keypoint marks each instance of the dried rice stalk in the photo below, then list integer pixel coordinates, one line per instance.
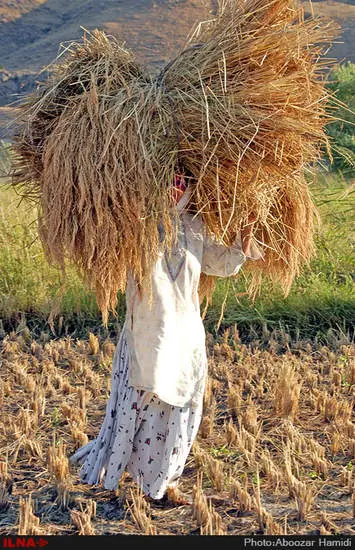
(209, 521)
(5, 485)
(287, 392)
(58, 467)
(140, 512)
(28, 521)
(243, 108)
(82, 518)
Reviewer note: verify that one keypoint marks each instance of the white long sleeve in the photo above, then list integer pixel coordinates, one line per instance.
(225, 261)
(220, 260)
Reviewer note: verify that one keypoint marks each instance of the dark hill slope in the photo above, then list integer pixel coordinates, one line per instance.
(31, 31)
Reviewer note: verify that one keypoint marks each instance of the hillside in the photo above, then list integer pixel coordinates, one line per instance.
(31, 31)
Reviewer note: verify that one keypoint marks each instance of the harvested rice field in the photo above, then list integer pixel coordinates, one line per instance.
(275, 453)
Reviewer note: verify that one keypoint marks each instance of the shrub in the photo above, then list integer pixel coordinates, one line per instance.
(342, 131)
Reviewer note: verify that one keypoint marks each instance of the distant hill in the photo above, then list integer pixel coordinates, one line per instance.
(344, 14)
(31, 31)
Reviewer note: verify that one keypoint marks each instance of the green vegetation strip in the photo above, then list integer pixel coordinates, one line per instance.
(321, 300)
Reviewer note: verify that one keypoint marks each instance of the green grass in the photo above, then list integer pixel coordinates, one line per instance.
(320, 304)
(29, 286)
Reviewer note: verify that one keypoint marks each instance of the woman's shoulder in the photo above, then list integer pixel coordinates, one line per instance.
(193, 218)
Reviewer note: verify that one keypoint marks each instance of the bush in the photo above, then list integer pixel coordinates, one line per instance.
(342, 131)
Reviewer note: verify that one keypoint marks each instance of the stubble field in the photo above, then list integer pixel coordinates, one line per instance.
(274, 454)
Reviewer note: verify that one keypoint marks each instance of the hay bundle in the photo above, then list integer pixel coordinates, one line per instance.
(243, 108)
(96, 159)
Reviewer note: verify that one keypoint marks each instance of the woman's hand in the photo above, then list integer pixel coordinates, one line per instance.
(247, 234)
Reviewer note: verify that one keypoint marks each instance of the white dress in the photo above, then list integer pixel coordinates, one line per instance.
(140, 434)
(159, 369)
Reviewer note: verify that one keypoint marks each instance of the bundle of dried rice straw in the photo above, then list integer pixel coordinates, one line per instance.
(243, 108)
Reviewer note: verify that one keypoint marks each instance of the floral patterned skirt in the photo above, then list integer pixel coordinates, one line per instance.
(140, 434)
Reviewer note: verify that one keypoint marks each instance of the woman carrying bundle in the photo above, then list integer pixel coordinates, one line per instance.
(243, 107)
(160, 365)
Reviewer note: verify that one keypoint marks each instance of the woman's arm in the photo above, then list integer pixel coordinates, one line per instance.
(220, 260)
(223, 261)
